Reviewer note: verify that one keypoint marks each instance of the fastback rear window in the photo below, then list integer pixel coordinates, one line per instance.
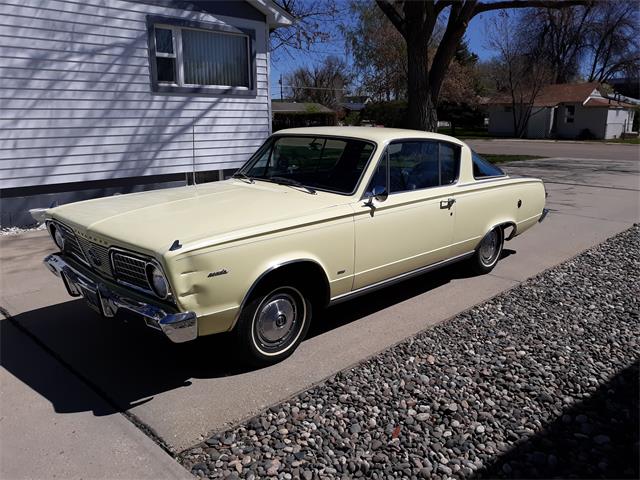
(483, 168)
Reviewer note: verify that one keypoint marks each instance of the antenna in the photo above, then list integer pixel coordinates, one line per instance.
(193, 150)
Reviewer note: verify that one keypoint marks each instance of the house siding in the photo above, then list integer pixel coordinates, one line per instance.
(592, 119)
(501, 122)
(619, 121)
(77, 104)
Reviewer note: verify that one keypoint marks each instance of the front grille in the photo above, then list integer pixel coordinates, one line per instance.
(97, 256)
(71, 244)
(110, 262)
(130, 269)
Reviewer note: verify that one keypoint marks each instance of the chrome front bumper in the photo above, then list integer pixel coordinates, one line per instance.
(178, 327)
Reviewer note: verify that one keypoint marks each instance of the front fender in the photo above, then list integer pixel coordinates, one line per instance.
(215, 282)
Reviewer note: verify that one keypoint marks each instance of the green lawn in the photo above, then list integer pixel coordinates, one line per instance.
(507, 158)
(632, 141)
(470, 133)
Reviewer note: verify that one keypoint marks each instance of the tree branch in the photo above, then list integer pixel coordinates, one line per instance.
(393, 15)
(442, 4)
(486, 7)
(459, 17)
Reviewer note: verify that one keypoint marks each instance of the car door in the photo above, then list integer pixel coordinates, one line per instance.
(413, 226)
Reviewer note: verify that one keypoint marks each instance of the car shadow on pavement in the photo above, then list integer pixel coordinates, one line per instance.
(596, 438)
(350, 311)
(128, 364)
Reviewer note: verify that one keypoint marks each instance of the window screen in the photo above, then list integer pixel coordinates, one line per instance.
(215, 59)
(165, 55)
(189, 57)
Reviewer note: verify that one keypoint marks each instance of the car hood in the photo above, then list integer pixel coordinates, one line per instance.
(200, 215)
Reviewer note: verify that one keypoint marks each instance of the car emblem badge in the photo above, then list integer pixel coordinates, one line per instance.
(224, 271)
(93, 256)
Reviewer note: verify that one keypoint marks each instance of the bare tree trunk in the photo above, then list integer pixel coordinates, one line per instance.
(422, 113)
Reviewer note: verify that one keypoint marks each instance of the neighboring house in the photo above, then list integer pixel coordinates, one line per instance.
(354, 103)
(566, 111)
(301, 114)
(102, 97)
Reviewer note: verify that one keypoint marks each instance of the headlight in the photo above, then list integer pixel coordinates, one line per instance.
(58, 238)
(157, 281)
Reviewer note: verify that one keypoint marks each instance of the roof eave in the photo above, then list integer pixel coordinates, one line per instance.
(276, 16)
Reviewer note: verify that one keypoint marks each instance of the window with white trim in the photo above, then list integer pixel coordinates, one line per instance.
(191, 57)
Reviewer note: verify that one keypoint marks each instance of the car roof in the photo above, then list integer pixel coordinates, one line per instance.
(375, 134)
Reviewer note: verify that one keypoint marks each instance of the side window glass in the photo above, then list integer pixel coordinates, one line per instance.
(483, 169)
(449, 163)
(262, 163)
(413, 166)
(379, 177)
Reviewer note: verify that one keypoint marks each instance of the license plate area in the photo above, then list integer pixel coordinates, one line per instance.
(92, 298)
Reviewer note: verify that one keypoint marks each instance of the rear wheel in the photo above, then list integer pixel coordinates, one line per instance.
(273, 323)
(488, 252)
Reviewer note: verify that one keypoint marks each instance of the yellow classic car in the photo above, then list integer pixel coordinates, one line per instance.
(315, 217)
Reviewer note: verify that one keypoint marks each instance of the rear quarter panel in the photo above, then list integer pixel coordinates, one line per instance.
(482, 205)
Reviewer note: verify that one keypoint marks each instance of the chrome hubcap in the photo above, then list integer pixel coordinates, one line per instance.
(276, 319)
(489, 248)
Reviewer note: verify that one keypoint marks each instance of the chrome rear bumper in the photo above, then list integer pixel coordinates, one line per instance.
(178, 327)
(545, 211)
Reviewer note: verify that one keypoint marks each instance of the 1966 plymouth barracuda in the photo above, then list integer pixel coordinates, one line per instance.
(315, 217)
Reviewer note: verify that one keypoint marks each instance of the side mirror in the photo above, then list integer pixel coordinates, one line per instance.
(380, 193)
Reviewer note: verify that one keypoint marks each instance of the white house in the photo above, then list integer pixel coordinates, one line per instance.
(566, 111)
(110, 96)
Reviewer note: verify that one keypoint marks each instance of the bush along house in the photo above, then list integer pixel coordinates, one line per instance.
(566, 111)
(100, 98)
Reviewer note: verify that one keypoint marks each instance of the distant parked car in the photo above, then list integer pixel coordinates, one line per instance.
(315, 217)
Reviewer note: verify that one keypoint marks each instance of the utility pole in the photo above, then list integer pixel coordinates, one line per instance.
(281, 96)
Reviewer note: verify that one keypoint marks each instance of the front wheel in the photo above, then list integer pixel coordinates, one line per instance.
(488, 252)
(272, 324)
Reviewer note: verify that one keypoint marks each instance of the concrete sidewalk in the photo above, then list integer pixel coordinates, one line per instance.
(185, 391)
(45, 436)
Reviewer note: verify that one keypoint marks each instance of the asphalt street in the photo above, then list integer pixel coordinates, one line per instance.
(557, 148)
(181, 393)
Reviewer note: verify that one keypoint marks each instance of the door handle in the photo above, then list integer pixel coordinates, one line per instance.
(448, 203)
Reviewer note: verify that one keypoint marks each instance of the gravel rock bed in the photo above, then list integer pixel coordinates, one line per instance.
(541, 381)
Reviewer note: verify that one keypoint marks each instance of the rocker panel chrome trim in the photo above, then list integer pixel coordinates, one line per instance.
(404, 276)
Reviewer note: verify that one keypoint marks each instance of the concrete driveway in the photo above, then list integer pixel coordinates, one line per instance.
(183, 392)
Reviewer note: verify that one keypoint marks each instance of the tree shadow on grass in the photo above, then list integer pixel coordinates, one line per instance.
(597, 438)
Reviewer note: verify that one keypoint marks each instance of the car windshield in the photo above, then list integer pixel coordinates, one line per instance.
(325, 163)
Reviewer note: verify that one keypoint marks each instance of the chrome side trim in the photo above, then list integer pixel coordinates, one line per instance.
(403, 276)
(178, 327)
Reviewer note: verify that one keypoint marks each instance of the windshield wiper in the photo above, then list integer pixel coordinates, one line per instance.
(292, 183)
(242, 176)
